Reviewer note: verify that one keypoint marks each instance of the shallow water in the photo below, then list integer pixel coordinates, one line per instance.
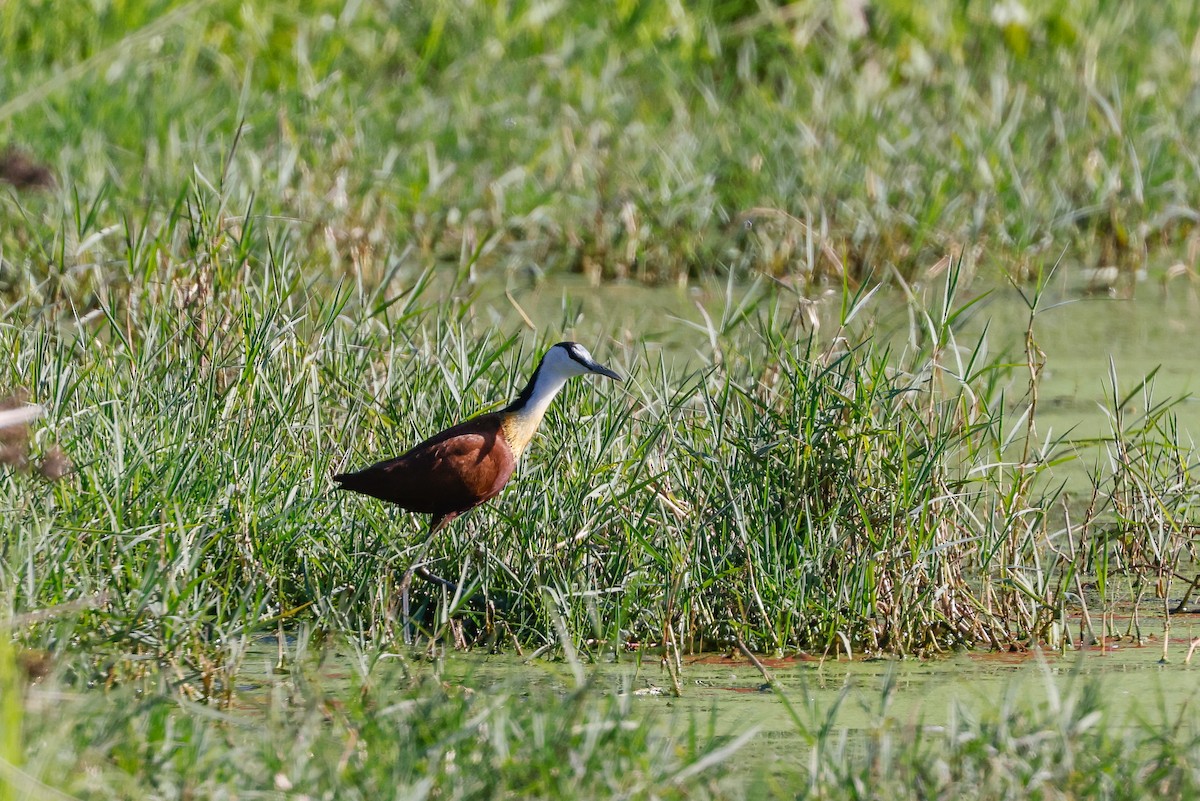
(850, 696)
(1086, 341)
(1079, 333)
(922, 689)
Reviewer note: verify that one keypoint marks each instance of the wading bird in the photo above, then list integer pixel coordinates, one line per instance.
(468, 464)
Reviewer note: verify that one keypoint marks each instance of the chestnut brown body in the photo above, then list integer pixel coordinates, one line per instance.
(448, 474)
(468, 464)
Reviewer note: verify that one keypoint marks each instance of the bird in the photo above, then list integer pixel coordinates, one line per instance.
(468, 464)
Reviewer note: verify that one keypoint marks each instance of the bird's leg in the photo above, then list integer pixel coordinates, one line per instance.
(422, 572)
(405, 583)
(416, 568)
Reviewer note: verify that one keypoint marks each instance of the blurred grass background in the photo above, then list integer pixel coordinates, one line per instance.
(644, 139)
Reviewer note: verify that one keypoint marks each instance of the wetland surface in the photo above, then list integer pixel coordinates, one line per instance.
(1086, 341)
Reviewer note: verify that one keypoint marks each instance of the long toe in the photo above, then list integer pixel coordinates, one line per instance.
(425, 574)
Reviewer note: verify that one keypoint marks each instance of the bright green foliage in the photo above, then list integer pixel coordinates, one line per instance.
(652, 140)
(399, 738)
(799, 493)
(1069, 746)
(255, 268)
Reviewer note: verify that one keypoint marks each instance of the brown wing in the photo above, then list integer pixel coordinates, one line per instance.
(448, 473)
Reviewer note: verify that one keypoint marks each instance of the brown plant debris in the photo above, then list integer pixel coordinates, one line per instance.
(20, 169)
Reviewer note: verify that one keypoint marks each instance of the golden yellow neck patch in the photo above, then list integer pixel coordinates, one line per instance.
(519, 428)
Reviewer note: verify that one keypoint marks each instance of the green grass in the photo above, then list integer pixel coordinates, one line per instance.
(1069, 744)
(272, 254)
(794, 494)
(388, 734)
(386, 730)
(649, 141)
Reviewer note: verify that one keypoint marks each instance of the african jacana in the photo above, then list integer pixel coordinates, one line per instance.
(468, 464)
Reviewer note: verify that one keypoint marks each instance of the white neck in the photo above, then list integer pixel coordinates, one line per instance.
(525, 419)
(549, 383)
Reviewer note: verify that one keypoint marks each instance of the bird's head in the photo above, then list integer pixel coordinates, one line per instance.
(569, 359)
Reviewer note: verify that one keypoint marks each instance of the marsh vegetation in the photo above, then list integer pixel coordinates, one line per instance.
(274, 244)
